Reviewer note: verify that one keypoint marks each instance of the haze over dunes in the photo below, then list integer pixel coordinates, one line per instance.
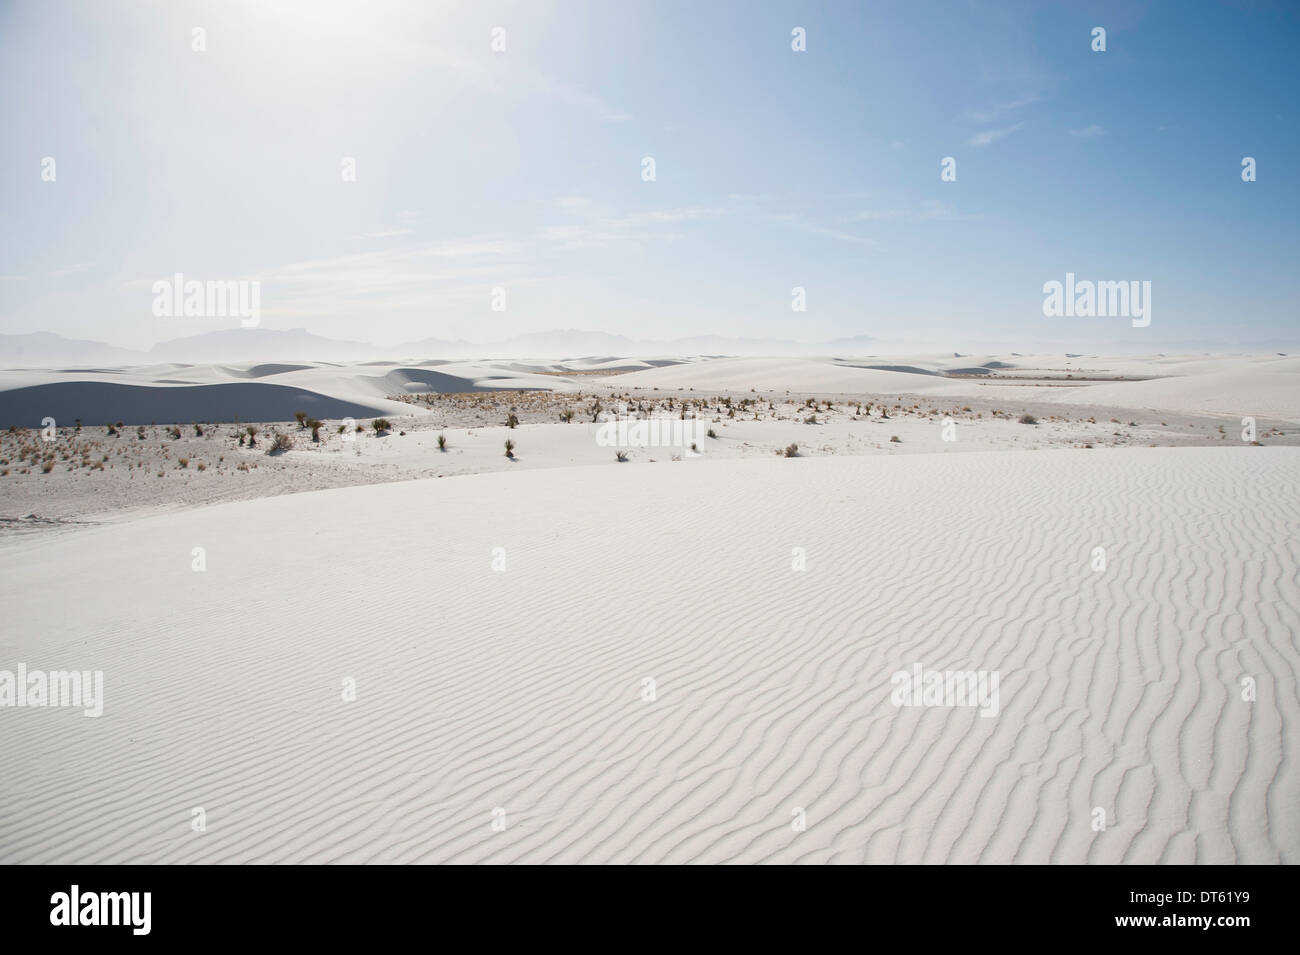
(1262, 385)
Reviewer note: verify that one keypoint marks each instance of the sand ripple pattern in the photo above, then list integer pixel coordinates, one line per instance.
(1120, 690)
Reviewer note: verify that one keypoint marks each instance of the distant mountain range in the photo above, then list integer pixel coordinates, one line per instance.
(47, 350)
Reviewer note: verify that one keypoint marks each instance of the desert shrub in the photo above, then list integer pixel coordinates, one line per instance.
(512, 420)
(381, 425)
(791, 451)
(566, 416)
(280, 444)
(1028, 419)
(442, 442)
(510, 448)
(315, 429)
(198, 432)
(895, 439)
(183, 462)
(620, 456)
(711, 433)
(301, 418)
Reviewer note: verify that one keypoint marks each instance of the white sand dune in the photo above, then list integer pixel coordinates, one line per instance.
(99, 403)
(523, 689)
(1263, 386)
(792, 374)
(1258, 388)
(1259, 385)
(252, 392)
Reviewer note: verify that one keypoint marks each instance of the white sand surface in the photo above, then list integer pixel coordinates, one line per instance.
(523, 689)
(1258, 385)
(251, 391)
(1255, 388)
(793, 374)
(1232, 386)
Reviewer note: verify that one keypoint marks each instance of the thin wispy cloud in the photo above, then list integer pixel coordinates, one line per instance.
(989, 136)
(609, 230)
(388, 234)
(71, 270)
(801, 224)
(450, 273)
(1089, 132)
(995, 112)
(929, 210)
(691, 214)
(506, 73)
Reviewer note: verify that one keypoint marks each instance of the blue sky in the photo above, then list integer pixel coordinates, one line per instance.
(774, 168)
